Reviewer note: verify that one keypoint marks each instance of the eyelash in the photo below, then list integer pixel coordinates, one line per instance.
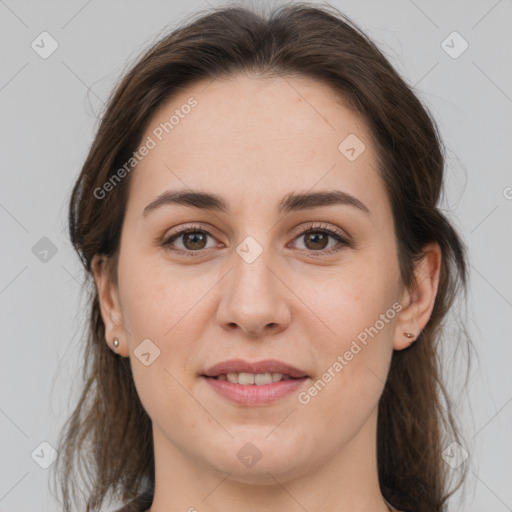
(313, 228)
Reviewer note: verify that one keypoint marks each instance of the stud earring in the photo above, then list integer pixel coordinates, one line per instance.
(115, 343)
(409, 335)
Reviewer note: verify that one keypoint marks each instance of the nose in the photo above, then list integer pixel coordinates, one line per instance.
(254, 299)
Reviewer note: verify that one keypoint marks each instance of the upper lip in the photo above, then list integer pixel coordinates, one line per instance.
(265, 366)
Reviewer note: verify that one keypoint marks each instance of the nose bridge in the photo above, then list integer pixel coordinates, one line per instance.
(253, 265)
(252, 296)
(252, 277)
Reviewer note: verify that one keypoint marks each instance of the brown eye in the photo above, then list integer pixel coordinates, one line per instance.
(190, 240)
(194, 240)
(316, 240)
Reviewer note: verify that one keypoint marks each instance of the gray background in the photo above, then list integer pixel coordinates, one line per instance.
(48, 112)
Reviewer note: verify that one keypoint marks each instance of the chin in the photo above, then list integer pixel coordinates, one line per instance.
(259, 461)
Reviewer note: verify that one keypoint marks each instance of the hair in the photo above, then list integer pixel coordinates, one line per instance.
(108, 437)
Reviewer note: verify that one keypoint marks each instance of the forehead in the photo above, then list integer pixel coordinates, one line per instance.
(259, 136)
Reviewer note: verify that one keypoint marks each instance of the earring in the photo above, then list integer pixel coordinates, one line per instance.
(115, 343)
(409, 335)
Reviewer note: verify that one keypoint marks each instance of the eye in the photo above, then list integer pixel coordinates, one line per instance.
(316, 238)
(194, 239)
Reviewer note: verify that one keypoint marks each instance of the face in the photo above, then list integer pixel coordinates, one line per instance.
(314, 285)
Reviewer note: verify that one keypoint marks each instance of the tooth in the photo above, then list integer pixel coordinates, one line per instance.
(245, 378)
(263, 378)
(259, 379)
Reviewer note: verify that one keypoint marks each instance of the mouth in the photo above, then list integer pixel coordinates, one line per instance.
(253, 384)
(239, 371)
(256, 379)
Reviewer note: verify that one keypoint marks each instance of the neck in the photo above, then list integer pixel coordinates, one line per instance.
(345, 482)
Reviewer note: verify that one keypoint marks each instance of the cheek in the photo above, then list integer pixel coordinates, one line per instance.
(362, 335)
(158, 299)
(161, 307)
(353, 365)
(359, 306)
(356, 297)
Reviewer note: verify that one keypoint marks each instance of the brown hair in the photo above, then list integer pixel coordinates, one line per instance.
(108, 438)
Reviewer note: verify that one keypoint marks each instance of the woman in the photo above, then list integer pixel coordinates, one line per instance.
(259, 213)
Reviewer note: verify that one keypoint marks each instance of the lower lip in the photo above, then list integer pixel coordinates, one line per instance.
(253, 394)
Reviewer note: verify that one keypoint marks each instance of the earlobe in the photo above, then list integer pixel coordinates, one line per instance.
(110, 308)
(410, 336)
(418, 302)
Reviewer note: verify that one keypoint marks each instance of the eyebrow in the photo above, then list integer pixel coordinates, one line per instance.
(289, 203)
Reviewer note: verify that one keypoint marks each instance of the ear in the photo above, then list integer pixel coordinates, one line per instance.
(418, 301)
(110, 306)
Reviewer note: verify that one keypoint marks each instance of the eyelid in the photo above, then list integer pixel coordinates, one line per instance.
(322, 226)
(191, 227)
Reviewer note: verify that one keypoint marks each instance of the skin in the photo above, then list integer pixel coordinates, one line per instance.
(280, 135)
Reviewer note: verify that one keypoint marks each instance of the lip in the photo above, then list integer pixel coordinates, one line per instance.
(252, 394)
(265, 366)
